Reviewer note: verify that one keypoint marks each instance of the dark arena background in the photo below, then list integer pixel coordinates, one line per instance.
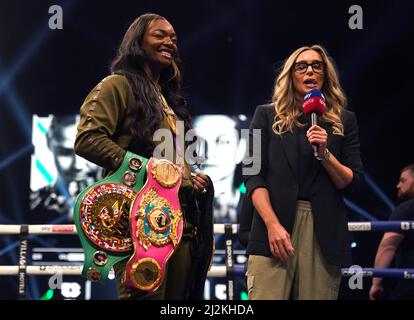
(231, 52)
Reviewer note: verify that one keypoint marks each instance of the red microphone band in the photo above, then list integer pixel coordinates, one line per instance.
(314, 105)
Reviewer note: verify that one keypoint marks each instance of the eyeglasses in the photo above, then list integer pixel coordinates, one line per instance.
(302, 67)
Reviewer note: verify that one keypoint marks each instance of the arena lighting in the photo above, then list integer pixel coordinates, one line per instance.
(4, 218)
(15, 104)
(14, 200)
(13, 245)
(33, 289)
(34, 44)
(379, 192)
(23, 58)
(19, 111)
(19, 153)
(359, 210)
(13, 254)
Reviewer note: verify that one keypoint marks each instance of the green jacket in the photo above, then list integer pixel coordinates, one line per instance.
(103, 130)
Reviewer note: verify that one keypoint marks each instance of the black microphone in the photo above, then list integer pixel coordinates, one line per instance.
(314, 104)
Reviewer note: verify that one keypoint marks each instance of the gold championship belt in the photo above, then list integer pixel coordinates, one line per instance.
(101, 216)
(156, 225)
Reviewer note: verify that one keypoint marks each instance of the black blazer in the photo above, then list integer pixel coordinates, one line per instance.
(202, 251)
(278, 173)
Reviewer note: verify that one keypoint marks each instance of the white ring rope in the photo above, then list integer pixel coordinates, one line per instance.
(218, 228)
(215, 271)
(222, 271)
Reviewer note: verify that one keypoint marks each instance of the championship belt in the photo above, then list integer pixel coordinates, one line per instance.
(102, 217)
(156, 226)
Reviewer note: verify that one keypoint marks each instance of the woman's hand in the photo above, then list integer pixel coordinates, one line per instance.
(200, 182)
(376, 291)
(318, 136)
(279, 242)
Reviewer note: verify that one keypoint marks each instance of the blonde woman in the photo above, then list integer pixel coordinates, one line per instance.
(298, 239)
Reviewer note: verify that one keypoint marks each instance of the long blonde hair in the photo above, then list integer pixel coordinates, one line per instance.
(289, 109)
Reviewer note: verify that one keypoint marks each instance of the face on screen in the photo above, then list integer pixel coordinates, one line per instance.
(219, 145)
(69, 166)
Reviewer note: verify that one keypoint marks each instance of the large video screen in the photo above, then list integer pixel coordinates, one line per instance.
(223, 147)
(57, 175)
